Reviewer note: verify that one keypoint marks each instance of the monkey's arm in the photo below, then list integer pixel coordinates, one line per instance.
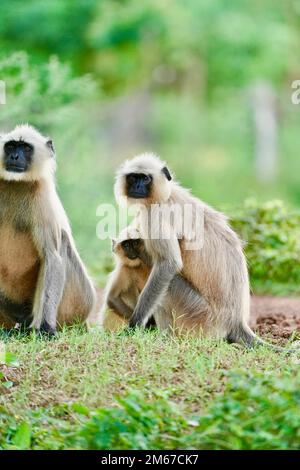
(167, 263)
(51, 277)
(119, 307)
(48, 294)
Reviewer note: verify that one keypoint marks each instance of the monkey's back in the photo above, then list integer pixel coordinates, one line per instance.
(218, 268)
(219, 271)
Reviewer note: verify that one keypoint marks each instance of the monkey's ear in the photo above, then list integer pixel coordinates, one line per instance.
(166, 173)
(50, 145)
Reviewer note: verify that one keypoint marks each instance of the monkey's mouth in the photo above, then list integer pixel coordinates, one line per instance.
(131, 257)
(15, 168)
(135, 195)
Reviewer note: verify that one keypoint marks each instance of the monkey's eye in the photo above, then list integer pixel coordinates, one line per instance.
(9, 147)
(131, 178)
(27, 148)
(147, 178)
(136, 242)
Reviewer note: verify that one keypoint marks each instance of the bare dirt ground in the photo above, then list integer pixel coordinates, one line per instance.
(276, 317)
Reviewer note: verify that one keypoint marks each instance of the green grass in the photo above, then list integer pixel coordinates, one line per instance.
(145, 391)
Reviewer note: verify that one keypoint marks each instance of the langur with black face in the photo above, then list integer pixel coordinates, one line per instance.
(127, 280)
(216, 269)
(43, 282)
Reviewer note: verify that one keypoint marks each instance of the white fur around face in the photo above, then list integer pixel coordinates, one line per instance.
(149, 164)
(128, 233)
(43, 159)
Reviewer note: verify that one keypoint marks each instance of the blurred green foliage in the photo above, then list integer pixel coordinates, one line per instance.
(212, 44)
(110, 78)
(271, 233)
(45, 95)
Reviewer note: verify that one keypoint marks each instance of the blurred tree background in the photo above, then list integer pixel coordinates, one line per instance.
(196, 81)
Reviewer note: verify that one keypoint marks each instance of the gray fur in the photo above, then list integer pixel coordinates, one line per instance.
(122, 291)
(53, 280)
(153, 292)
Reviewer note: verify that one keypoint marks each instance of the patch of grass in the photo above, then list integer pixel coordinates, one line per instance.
(146, 390)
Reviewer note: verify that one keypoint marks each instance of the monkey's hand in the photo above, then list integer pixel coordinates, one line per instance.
(47, 329)
(134, 323)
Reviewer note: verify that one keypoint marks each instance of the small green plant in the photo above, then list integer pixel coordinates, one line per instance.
(136, 423)
(9, 360)
(256, 411)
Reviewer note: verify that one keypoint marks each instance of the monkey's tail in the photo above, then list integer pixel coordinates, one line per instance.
(243, 334)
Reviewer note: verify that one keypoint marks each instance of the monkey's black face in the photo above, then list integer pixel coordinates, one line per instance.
(17, 156)
(132, 248)
(138, 185)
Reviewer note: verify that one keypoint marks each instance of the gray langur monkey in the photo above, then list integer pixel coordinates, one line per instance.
(43, 282)
(129, 277)
(126, 282)
(217, 271)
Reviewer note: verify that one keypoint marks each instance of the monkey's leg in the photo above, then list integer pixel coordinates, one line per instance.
(15, 312)
(186, 297)
(49, 290)
(79, 297)
(5, 321)
(182, 298)
(163, 317)
(119, 307)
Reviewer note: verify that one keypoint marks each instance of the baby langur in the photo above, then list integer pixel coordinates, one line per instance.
(129, 276)
(133, 266)
(42, 279)
(216, 269)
